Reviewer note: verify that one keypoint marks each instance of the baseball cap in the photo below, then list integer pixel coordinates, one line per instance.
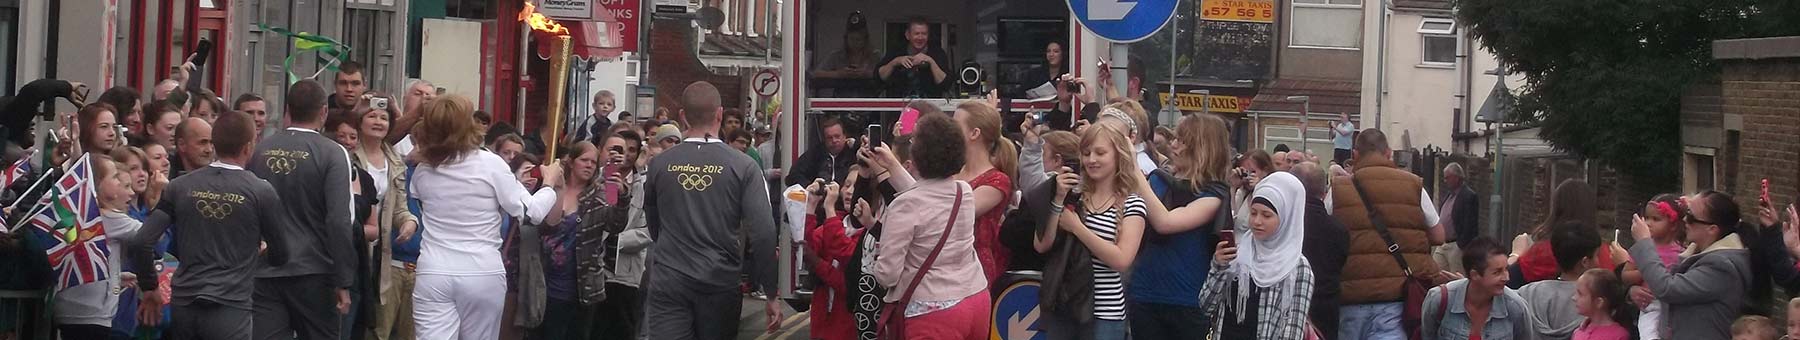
(667, 131)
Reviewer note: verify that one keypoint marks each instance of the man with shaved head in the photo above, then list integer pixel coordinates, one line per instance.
(194, 146)
(309, 295)
(224, 213)
(696, 197)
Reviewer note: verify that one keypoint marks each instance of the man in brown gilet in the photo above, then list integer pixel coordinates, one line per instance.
(1372, 294)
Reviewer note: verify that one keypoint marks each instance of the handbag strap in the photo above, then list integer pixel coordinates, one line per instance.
(1393, 247)
(929, 259)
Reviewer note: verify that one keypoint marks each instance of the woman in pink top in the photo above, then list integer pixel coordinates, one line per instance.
(989, 163)
(951, 301)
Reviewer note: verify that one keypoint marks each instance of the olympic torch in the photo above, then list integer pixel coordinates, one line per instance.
(559, 70)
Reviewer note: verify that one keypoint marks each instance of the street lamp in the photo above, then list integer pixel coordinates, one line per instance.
(1305, 110)
(1205, 100)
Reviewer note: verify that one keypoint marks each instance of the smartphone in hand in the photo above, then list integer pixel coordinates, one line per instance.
(1765, 192)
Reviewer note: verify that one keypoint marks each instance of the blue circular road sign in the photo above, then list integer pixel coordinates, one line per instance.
(1016, 313)
(1123, 21)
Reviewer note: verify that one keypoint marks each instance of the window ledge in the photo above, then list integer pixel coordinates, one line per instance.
(1441, 66)
(1326, 48)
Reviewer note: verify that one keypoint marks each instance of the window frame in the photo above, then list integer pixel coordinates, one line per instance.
(1293, 30)
(10, 11)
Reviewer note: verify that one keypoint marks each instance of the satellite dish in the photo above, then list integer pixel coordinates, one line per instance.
(711, 18)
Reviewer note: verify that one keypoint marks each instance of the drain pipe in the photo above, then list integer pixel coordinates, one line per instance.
(1381, 89)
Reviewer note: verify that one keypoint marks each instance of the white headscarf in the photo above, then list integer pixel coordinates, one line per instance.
(1271, 263)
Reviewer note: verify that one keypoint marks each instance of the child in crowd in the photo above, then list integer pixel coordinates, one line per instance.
(1600, 297)
(1554, 316)
(1754, 327)
(1666, 215)
(1793, 318)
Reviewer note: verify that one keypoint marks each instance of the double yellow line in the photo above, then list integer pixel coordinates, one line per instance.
(789, 327)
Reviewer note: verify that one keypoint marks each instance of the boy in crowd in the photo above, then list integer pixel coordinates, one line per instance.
(1554, 314)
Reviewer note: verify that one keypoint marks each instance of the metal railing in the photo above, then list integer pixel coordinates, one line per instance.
(24, 315)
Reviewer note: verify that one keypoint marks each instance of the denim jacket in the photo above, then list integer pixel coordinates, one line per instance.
(1508, 319)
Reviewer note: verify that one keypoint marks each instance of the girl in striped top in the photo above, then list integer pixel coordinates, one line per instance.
(1107, 219)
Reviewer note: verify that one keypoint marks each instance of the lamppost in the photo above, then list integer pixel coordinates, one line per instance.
(1205, 100)
(1305, 111)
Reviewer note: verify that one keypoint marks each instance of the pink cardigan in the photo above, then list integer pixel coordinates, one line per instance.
(911, 226)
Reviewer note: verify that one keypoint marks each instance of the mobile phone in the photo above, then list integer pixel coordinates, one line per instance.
(1074, 165)
(875, 134)
(537, 173)
(1229, 235)
(1765, 191)
(202, 50)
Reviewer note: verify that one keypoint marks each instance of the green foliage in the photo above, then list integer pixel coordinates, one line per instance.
(1604, 77)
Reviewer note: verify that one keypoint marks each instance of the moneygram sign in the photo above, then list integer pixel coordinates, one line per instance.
(624, 14)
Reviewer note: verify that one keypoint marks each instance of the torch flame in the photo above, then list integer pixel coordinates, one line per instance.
(539, 22)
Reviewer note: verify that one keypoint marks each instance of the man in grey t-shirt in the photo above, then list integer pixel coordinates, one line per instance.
(225, 212)
(696, 195)
(310, 294)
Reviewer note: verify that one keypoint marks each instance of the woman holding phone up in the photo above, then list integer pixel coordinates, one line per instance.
(1107, 219)
(1183, 222)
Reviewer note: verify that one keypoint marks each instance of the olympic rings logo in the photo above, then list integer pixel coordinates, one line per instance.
(215, 210)
(695, 182)
(281, 165)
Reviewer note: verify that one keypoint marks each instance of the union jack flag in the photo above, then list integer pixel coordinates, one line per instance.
(19, 170)
(70, 229)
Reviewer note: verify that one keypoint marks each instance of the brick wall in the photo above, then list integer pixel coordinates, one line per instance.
(1766, 94)
(674, 64)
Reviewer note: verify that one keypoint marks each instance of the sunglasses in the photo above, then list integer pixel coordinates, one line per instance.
(1695, 220)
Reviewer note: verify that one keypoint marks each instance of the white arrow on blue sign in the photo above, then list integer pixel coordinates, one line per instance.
(1123, 21)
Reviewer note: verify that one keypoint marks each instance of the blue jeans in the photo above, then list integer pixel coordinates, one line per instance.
(1375, 321)
(1109, 330)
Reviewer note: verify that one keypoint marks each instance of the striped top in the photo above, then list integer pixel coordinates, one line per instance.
(1109, 286)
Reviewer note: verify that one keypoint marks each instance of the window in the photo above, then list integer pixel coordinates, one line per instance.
(9, 49)
(1327, 24)
(1437, 41)
(1698, 167)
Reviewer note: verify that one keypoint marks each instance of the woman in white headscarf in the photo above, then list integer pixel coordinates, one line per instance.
(1264, 289)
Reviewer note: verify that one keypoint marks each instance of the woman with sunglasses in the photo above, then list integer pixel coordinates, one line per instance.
(1707, 289)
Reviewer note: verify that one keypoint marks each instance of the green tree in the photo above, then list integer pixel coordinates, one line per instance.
(1604, 77)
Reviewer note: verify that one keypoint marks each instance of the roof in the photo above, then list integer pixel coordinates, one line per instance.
(1327, 96)
(737, 45)
(1422, 4)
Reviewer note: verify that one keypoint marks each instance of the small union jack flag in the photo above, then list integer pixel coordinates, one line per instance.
(70, 229)
(19, 170)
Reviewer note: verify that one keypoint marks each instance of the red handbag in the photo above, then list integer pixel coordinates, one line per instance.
(893, 315)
